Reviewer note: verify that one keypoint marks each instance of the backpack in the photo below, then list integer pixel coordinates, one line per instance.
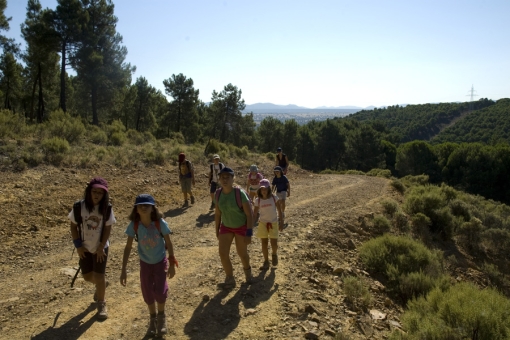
(158, 227)
(79, 221)
(221, 167)
(239, 201)
(189, 165)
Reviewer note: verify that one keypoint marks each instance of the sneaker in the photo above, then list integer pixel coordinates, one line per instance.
(212, 206)
(95, 293)
(185, 204)
(274, 259)
(265, 266)
(102, 311)
(161, 325)
(152, 326)
(229, 283)
(192, 199)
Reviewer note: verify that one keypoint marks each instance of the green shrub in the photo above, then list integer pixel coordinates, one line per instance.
(497, 240)
(55, 149)
(390, 206)
(238, 152)
(460, 312)
(118, 138)
(381, 224)
(404, 263)
(421, 226)
(416, 180)
(495, 276)
(460, 208)
(32, 155)
(154, 155)
(330, 172)
(400, 221)
(356, 292)
(449, 192)
(12, 125)
(101, 152)
(135, 137)
(471, 233)
(354, 172)
(271, 156)
(379, 173)
(97, 135)
(178, 137)
(61, 124)
(398, 185)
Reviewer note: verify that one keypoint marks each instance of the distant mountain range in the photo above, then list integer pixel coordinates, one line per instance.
(271, 106)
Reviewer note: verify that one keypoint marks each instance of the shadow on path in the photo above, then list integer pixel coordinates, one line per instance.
(216, 318)
(204, 219)
(175, 212)
(72, 329)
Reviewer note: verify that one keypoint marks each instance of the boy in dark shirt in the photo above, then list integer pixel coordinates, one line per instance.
(282, 186)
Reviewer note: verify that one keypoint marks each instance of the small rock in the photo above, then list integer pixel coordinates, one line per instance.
(313, 334)
(377, 315)
(351, 245)
(313, 324)
(330, 332)
(206, 298)
(251, 311)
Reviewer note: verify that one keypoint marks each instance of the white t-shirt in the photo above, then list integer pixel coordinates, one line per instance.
(91, 229)
(267, 209)
(216, 170)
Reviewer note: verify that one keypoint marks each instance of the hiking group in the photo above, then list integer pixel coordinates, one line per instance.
(92, 218)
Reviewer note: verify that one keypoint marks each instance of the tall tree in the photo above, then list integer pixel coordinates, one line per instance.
(40, 57)
(290, 138)
(227, 107)
(269, 134)
(183, 107)
(330, 145)
(8, 45)
(99, 61)
(144, 116)
(10, 81)
(67, 21)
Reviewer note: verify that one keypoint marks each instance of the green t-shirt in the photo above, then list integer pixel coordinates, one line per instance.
(231, 215)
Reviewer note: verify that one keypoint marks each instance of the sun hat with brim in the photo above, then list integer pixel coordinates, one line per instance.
(216, 156)
(144, 199)
(254, 168)
(264, 183)
(99, 182)
(226, 171)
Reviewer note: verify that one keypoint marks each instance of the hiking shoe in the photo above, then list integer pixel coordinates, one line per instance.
(274, 259)
(102, 311)
(229, 283)
(95, 293)
(152, 326)
(247, 275)
(161, 325)
(192, 199)
(212, 206)
(265, 265)
(185, 204)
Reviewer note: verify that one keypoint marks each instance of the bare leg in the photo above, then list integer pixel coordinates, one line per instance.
(242, 251)
(225, 241)
(264, 248)
(274, 247)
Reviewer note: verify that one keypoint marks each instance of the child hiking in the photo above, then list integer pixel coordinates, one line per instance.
(215, 168)
(252, 185)
(91, 223)
(233, 220)
(186, 178)
(270, 222)
(282, 160)
(282, 186)
(152, 233)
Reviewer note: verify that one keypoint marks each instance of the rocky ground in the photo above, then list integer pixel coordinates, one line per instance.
(328, 217)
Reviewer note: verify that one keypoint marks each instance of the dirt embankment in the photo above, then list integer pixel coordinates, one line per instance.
(300, 297)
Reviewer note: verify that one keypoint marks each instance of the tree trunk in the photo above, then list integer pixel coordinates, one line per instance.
(40, 108)
(62, 103)
(95, 119)
(32, 100)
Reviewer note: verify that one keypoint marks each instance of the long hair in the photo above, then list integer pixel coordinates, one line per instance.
(89, 204)
(259, 193)
(155, 214)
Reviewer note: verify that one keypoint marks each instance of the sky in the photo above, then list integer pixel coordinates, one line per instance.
(318, 53)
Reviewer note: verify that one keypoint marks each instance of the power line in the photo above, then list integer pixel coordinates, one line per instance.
(472, 93)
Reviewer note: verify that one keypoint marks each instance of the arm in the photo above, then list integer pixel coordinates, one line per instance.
(74, 233)
(255, 213)
(249, 222)
(280, 215)
(171, 257)
(217, 218)
(100, 248)
(127, 251)
(192, 175)
(288, 189)
(248, 184)
(210, 175)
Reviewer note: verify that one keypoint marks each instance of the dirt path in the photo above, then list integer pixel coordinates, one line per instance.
(36, 300)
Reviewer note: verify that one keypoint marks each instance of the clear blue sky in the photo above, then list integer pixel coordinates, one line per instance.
(318, 53)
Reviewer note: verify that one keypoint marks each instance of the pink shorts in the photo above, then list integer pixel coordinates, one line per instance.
(239, 231)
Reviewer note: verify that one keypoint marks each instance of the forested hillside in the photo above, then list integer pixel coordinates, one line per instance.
(489, 125)
(419, 122)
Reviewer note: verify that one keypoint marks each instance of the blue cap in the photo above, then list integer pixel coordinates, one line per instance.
(279, 149)
(227, 171)
(145, 199)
